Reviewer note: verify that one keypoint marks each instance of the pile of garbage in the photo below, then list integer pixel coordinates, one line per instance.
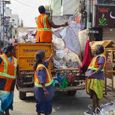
(67, 50)
(26, 35)
(67, 54)
(62, 79)
(108, 109)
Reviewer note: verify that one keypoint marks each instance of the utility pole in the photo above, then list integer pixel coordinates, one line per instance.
(88, 13)
(3, 22)
(0, 19)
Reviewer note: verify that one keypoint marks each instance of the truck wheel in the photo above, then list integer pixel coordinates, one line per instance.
(71, 93)
(22, 95)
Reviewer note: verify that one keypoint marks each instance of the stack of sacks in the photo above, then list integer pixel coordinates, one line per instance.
(67, 48)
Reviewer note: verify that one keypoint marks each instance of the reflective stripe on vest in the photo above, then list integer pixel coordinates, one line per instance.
(44, 29)
(92, 64)
(47, 84)
(7, 81)
(45, 25)
(15, 64)
(6, 67)
(5, 63)
(48, 75)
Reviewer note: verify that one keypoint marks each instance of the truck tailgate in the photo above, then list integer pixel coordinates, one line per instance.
(26, 54)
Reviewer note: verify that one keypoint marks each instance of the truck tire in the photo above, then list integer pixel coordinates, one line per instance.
(22, 95)
(71, 93)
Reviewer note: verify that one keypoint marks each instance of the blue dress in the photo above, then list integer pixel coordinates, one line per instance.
(6, 101)
(43, 103)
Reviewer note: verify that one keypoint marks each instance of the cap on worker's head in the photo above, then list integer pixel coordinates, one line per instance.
(99, 49)
(41, 9)
(40, 55)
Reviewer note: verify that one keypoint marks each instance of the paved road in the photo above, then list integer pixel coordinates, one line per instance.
(62, 105)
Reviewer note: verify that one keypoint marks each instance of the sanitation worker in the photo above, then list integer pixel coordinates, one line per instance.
(95, 80)
(43, 82)
(44, 25)
(8, 68)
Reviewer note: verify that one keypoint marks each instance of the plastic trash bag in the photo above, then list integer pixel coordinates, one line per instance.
(108, 109)
(66, 59)
(60, 81)
(69, 35)
(67, 51)
(58, 43)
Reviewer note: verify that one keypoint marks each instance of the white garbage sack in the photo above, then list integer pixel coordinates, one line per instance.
(108, 109)
(66, 59)
(26, 36)
(67, 47)
(58, 43)
(70, 37)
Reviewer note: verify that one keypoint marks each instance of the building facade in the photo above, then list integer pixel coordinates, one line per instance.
(8, 22)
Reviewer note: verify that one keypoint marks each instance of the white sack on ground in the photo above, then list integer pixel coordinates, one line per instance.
(108, 109)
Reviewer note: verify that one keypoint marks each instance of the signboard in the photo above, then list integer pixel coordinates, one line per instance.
(105, 16)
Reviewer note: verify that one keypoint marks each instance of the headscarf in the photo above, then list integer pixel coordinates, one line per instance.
(39, 58)
(40, 55)
(8, 49)
(99, 49)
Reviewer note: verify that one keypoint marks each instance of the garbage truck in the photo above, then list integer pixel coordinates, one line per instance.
(68, 75)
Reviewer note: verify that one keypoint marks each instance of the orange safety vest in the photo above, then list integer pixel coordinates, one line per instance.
(94, 65)
(7, 73)
(44, 33)
(49, 79)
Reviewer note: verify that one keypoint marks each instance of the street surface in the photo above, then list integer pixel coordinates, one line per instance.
(62, 104)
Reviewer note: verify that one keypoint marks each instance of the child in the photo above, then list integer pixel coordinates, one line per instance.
(95, 80)
(43, 90)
